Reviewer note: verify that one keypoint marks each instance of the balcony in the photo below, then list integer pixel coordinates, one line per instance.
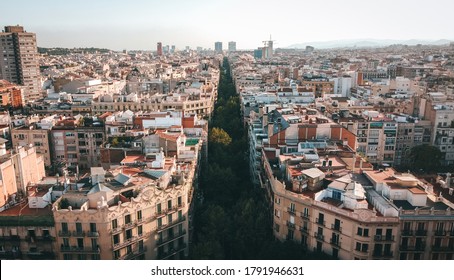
(129, 225)
(163, 241)
(291, 210)
(116, 230)
(14, 238)
(320, 222)
(139, 221)
(418, 247)
(384, 238)
(290, 225)
(335, 242)
(440, 233)
(128, 242)
(421, 232)
(382, 255)
(336, 228)
(304, 230)
(443, 248)
(134, 254)
(173, 223)
(172, 251)
(72, 249)
(169, 210)
(406, 232)
(319, 236)
(30, 238)
(62, 233)
(78, 233)
(93, 234)
(45, 238)
(304, 216)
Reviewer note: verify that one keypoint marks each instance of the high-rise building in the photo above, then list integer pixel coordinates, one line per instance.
(270, 48)
(218, 46)
(232, 46)
(258, 53)
(172, 49)
(20, 60)
(159, 49)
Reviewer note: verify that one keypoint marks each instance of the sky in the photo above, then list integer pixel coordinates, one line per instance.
(140, 24)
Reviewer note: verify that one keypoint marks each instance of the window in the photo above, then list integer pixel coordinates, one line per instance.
(92, 227)
(158, 208)
(169, 218)
(290, 235)
(306, 212)
(277, 213)
(169, 204)
(64, 227)
(363, 247)
(127, 219)
(139, 215)
(79, 227)
(94, 244)
(80, 242)
(180, 215)
(321, 218)
(363, 232)
(337, 224)
(116, 239)
(335, 253)
(116, 254)
(139, 230)
(114, 224)
(128, 234)
(159, 222)
(276, 227)
(180, 201)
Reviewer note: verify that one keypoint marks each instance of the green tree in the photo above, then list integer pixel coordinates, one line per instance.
(425, 158)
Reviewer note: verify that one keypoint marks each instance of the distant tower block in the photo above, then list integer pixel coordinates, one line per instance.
(232, 46)
(159, 49)
(218, 47)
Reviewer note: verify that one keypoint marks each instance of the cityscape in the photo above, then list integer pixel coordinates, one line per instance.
(335, 150)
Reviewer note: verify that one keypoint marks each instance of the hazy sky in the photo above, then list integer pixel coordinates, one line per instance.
(139, 24)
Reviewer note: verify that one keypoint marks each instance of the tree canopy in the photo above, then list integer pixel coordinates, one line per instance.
(232, 219)
(425, 158)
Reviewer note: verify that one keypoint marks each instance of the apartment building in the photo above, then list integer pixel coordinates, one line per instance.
(20, 64)
(426, 222)
(18, 169)
(11, 95)
(127, 213)
(27, 233)
(76, 141)
(36, 136)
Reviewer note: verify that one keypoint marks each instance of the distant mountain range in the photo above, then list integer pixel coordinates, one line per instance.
(362, 43)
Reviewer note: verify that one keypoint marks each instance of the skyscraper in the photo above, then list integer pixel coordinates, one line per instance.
(20, 64)
(159, 49)
(218, 46)
(232, 46)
